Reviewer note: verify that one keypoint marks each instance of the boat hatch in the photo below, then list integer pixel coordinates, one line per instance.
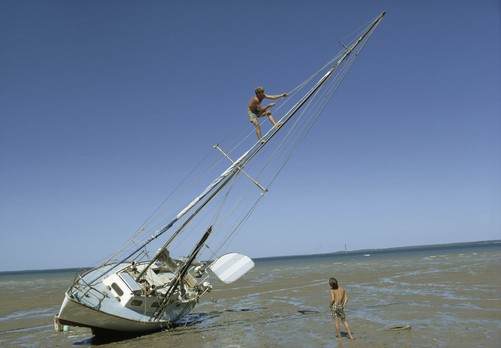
(130, 282)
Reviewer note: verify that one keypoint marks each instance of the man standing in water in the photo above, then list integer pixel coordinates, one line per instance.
(339, 299)
(255, 110)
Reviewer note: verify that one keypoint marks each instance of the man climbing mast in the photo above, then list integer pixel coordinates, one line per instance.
(255, 110)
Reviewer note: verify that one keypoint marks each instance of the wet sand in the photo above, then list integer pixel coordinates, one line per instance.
(448, 300)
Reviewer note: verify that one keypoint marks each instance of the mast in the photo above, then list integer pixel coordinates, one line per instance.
(348, 51)
(220, 182)
(195, 213)
(315, 88)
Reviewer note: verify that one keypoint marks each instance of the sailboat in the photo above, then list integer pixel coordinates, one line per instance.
(145, 286)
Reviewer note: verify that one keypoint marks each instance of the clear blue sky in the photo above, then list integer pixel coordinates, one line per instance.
(104, 105)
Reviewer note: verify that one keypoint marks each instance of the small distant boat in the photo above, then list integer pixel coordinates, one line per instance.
(140, 290)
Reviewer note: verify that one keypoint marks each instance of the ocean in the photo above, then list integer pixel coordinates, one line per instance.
(433, 296)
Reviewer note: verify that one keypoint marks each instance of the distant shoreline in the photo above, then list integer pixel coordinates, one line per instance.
(488, 243)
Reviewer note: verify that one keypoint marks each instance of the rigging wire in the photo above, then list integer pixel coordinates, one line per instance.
(300, 128)
(302, 125)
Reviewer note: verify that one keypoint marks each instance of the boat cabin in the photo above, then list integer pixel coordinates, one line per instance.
(131, 294)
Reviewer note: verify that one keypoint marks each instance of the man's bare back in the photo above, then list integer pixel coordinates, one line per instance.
(255, 104)
(338, 296)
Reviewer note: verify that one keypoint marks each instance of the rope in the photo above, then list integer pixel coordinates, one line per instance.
(279, 154)
(301, 127)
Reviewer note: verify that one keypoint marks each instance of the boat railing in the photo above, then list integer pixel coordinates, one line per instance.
(85, 289)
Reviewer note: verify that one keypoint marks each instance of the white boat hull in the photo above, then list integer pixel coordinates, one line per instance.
(75, 314)
(99, 308)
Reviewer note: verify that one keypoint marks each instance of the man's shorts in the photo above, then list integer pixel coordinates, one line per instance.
(253, 116)
(337, 310)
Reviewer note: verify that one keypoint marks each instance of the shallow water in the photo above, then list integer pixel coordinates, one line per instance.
(449, 298)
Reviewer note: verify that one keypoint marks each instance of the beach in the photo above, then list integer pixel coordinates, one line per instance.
(427, 297)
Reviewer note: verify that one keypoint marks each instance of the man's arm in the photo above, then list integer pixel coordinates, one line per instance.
(283, 95)
(273, 97)
(345, 302)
